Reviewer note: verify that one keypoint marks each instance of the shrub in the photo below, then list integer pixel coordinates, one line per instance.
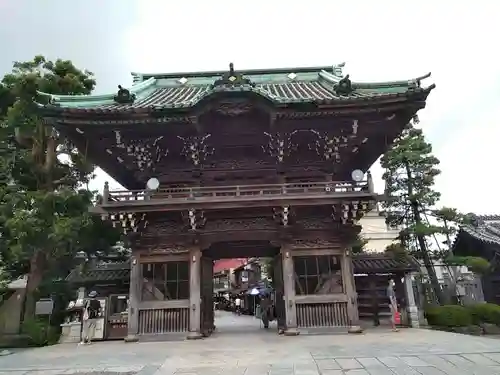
(40, 333)
(449, 316)
(485, 313)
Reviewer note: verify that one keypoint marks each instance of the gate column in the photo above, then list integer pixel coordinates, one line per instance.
(195, 294)
(350, 289)
(289, 289)
(133, 301)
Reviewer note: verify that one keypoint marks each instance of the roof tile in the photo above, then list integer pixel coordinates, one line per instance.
(362, 263)
(484, 232)
(309, 86)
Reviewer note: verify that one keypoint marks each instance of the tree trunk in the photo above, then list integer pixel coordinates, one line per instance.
(35, 278)
(421, 240)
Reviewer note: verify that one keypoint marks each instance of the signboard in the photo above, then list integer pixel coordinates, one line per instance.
(44, 306)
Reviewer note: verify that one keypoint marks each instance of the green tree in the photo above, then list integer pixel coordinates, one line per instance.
(44, 219)
(410, 170)
(358, 245)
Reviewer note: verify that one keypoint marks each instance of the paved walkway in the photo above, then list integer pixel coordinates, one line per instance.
(257, 352)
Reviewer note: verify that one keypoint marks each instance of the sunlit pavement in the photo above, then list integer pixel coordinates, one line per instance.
(241, 347)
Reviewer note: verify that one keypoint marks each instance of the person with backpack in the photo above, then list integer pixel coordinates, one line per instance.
(91, 310)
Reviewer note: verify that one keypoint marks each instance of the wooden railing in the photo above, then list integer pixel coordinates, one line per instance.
(239, 191)
(328, 314)
(168, 320)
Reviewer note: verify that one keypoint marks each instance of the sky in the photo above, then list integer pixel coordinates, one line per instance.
(378, 40)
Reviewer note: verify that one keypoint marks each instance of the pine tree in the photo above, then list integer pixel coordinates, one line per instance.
(410, 170)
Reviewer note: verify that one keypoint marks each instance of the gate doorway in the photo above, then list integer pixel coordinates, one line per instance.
(237, 308)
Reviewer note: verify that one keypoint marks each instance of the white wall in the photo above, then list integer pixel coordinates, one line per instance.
(376, 232)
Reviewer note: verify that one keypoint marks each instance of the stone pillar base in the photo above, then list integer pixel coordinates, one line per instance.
(194, 336)
(414, 316)
(291, 332)
(355, 329)
(131, 338)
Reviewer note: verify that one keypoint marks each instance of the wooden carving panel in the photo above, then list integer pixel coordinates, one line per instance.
(312, 244)
(238, 164)
(162, 247)
(315, 223)
(219, 225)
(159, 228)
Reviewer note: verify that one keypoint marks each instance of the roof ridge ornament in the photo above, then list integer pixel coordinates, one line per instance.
(337, 70)
(232, 79)
(123, 96)
(344, 87)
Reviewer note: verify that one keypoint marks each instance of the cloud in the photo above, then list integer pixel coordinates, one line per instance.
(382, 40)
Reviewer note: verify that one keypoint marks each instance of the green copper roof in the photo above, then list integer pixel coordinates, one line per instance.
(317, 85)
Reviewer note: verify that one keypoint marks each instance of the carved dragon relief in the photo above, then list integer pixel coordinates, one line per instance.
(283, 216)
(129, 222)
(194, 219)
(280, 145)
(328, 147)
(349, 212)
(196, 149)
(234, 108)
(145, 153)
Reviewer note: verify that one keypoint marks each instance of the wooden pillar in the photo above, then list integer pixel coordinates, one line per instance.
(133, 301)
(279, 293)
(350, 290)
(289, 289)
(195, 294)
(206, 291)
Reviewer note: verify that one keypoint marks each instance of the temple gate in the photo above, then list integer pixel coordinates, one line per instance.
(233, 164)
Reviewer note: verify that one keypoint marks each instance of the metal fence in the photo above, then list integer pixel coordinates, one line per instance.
(465, 292)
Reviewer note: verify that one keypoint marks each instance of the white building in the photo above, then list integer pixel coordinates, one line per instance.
(378, 234)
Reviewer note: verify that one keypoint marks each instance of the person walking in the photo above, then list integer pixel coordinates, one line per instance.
(266, 309)
(237, 305)
(393, 304)
(91, 310)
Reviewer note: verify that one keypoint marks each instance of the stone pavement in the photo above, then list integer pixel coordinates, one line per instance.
(232, 350)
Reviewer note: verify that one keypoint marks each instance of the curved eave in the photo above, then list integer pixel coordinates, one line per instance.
(184, 107)
(481, 236)
(76, 101)
(415, 82)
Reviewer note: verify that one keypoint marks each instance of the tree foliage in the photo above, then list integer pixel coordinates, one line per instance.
(359, 244)
(410, 174)
(44, 218)
(45, 160)
(410, 171)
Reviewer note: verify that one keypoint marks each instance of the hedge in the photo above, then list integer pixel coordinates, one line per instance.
(485, 313)
(460, 316)
(449, 316)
